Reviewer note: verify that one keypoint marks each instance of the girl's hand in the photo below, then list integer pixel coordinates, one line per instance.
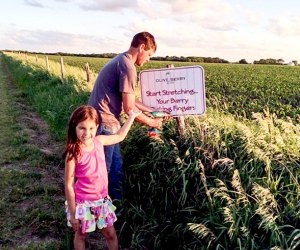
(134, 114)
(75, 224)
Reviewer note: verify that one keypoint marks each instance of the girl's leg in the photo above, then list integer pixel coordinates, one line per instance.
(79, 240)
(111, 237)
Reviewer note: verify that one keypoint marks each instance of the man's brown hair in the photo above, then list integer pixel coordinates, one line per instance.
(144, 38)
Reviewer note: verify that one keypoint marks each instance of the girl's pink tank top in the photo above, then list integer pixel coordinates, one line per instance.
(91, 174)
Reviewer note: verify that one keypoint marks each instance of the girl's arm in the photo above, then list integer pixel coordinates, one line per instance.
(70, 191)
(130, 103)
(122, 132)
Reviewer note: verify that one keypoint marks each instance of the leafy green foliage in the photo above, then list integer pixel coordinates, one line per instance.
(223, 190)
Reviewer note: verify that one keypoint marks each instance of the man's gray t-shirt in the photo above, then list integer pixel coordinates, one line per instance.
(116, 77)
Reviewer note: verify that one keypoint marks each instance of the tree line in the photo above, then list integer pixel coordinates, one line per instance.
(197, 59)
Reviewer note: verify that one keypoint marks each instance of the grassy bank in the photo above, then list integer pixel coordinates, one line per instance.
(28, 190)
(51, 97)
(230, 183)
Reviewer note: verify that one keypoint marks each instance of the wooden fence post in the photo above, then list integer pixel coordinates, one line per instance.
(88, 73)
(47, 63)
(62, 68)
(180, 124)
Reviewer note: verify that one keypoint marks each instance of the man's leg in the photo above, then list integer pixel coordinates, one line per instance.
(115, 181)
(114, 164)
(108, 151)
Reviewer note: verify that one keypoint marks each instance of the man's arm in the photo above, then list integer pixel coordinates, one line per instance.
(141, 106)
(130, 104)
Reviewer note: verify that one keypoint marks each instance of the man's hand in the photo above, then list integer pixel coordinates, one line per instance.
(156, 123)
(167, 116)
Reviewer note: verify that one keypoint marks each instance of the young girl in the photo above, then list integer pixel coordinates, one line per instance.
(86, 182)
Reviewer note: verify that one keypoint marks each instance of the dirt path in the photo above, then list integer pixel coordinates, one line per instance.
(31, 174)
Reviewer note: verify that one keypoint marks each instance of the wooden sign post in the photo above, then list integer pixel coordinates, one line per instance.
(88, 73)
(62, 69)
(180, 124)
(47, 63)
(179, 91)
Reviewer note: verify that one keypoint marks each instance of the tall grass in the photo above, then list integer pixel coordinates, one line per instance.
(230, 184)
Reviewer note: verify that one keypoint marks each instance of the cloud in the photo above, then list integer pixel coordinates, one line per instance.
(190, 39)
(187, 6)
(205, 14)
(285, 25)
(253, 17)
(107, 5)
(177, 37)
(34, 3)
(159, 10)
(53, 41)
(182, 28)
(186, 27)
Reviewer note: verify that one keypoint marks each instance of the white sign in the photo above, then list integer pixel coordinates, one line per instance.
(179, 91)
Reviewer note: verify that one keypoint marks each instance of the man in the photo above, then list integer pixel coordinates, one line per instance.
(114, 88)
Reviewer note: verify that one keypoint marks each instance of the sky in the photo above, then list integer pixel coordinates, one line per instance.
(228, 29)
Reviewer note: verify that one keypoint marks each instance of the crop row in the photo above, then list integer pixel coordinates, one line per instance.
(233, 88)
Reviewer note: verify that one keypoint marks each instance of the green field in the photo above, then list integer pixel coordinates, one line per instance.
(232, 182)
(238, 89)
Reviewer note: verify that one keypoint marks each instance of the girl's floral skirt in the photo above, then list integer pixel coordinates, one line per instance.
(91, 213)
